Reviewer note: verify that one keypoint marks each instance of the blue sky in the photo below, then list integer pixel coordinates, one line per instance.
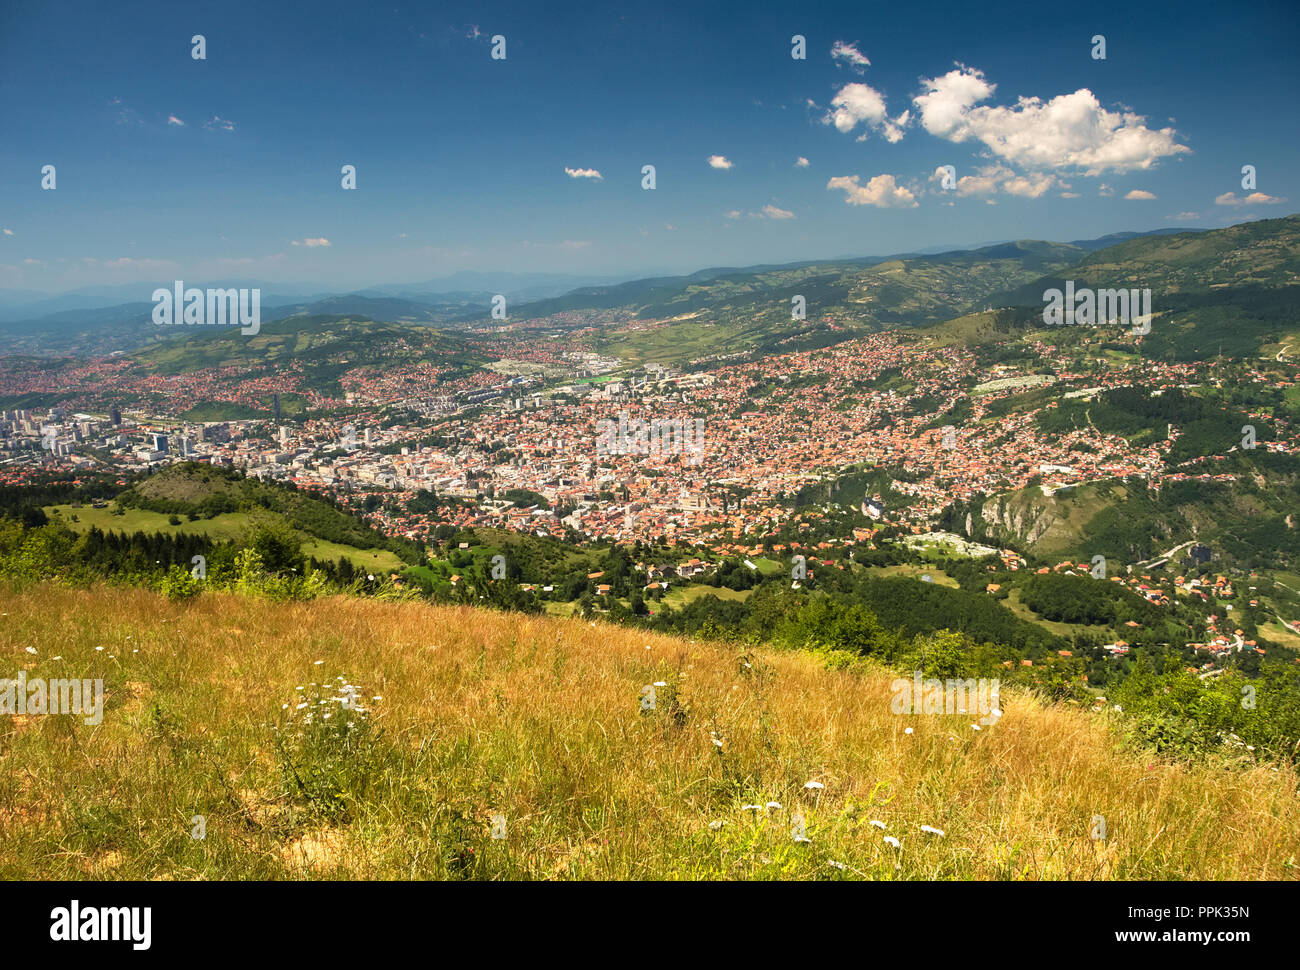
(229, 167)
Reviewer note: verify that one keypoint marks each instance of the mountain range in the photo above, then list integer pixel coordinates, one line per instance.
(750, 304)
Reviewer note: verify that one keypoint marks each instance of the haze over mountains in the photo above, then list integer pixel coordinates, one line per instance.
(101, 320)
(30, 304)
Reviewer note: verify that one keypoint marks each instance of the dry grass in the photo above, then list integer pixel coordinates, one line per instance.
(537, 719)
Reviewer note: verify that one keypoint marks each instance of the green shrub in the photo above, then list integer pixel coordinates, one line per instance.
(179, 583)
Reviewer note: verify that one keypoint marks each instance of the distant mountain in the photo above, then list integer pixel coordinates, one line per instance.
(101, 320)
(33, 304)
(1102, 242)
(322, 348)
(872, 286)
(482, 286)
(1225, 288)
(392, 309)
(86, 332)
(1229, 291)
(27, 305)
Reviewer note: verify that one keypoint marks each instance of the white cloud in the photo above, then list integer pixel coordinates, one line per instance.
(893, 129)
(219, 124)
(566, 244)
(801, 162)
(7, 232)
(1140, 195)
(849, 54)
(1071, 131)
(854, 104)
(1184, 217)
(1105, 191)
(1255, 198)
(311, 243)
(861, 104)
(583, 173)
(1030, 185)
(994, 178)
(720, 161)
(882, 192)
(768, 211)
(173, 120)
(983, 182)
(127, 262)
(1069, 195)
(947, 100)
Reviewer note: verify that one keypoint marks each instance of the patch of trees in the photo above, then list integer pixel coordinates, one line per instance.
(1084, 600)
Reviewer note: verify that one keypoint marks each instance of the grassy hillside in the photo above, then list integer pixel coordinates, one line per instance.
(1250, 521)
(536, 718)
(321, 348)
(201, 490)
(227, 527)
(221, 504)
(729, 312)
(1225, 291)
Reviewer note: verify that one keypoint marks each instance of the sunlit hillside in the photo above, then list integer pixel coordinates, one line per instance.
(465, 715)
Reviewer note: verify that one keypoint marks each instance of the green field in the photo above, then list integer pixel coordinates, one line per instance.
(680, 596)
(229, 526)
(225, 527)
(375, 560)
(914, 572)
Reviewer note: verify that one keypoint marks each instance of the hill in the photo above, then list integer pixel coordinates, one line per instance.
(1224, 291)
(225, 506)
(321, 348)
(1214, 291)
(1247, 511)
(220, 707)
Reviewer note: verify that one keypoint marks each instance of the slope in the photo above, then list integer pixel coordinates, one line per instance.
(470, 714)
